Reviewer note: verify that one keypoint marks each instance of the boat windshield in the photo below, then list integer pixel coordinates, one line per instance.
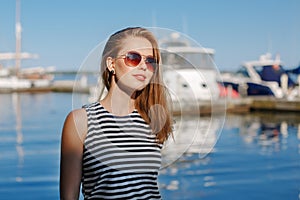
(272, 73)
(242, 72)
(188, 60)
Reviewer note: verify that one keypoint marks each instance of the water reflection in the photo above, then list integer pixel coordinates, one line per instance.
(298, 133)
(192, 135)
(270, 131)
(16, 102)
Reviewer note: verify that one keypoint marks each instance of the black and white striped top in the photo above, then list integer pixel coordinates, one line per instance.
(121, 157)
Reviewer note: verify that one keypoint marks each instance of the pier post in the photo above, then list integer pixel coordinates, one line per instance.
(284, 83)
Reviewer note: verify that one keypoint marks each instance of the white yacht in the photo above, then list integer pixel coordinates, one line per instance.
(189, 71)
(27, 79)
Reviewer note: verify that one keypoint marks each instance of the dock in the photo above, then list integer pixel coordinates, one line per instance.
(64, 86)
(240, 105)
(271, 103)
(69, 86)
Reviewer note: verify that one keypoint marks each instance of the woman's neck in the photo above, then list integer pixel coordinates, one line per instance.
(118, 102)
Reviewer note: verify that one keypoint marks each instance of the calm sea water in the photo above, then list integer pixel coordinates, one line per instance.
(256, 156)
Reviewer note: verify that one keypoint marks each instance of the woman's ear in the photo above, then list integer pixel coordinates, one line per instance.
(110, 64)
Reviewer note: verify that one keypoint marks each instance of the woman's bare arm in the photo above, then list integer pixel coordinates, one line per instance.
(73, 134)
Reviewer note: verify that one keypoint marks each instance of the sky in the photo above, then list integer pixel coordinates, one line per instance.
(63, 32)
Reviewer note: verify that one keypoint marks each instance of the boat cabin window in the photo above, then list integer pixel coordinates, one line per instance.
(187, 60)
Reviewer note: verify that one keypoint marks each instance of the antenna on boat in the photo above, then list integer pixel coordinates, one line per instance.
(18, 37)
(184, 25)
(269, 44)
(277, 58)
(154, 18)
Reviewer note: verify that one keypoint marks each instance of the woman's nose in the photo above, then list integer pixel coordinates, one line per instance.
(143, 64)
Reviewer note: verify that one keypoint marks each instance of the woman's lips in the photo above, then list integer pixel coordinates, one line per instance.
(140, 77)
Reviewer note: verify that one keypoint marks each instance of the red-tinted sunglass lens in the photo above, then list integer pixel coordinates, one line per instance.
(133, 59)
(151, 64)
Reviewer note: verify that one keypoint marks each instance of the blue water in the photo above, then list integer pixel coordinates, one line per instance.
(257, 156)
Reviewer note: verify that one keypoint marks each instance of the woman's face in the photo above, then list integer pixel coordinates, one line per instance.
(131, 78)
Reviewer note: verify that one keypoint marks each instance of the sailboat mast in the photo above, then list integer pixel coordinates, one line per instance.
(18, 38)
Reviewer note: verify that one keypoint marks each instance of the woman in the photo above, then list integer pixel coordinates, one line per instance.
(113, 146)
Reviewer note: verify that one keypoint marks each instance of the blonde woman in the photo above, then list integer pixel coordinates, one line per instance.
(112, 147)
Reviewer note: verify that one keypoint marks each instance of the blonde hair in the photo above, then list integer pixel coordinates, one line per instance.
(151, 102)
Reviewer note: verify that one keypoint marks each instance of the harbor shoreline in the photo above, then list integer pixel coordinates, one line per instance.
(228, 105)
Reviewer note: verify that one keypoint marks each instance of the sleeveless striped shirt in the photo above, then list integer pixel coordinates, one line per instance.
(121, 157)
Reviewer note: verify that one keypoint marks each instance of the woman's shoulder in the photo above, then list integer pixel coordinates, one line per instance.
(76, 122)
(76, 116)
(77, 113)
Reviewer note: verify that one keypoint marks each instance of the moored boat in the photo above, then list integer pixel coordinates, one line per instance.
(263, 77)
(16, 79)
